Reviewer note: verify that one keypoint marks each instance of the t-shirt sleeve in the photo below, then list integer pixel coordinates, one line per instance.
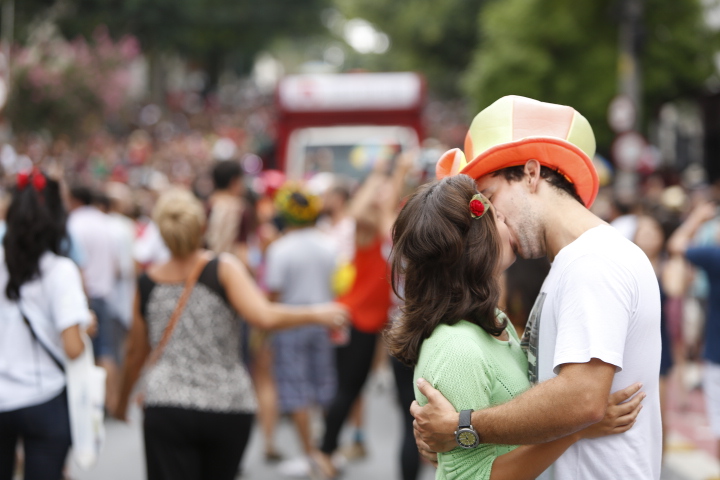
(274, 269)
(707, 258)
(459, 371)
(67, 299)
(596, 298)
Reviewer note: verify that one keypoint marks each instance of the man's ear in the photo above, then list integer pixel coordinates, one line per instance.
(532, 174)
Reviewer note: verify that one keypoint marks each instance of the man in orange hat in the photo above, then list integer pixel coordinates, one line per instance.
(595, 326)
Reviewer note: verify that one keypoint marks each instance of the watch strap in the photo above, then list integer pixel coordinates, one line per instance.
(465, 418)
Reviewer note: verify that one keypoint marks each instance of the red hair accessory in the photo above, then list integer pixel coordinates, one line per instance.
(35, 176)
(479, 205)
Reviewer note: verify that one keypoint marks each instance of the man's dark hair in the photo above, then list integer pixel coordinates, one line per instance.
(224, 173)
(553, 177)
(82, 194)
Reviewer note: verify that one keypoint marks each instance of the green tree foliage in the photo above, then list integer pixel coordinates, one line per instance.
(68, 88)
(437, 37)
(204, 30)
(564, 51)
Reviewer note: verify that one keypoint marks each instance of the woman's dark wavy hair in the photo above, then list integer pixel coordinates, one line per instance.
(444, 265)
(35, 224)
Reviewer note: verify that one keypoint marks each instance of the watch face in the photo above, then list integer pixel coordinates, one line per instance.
(467, 438)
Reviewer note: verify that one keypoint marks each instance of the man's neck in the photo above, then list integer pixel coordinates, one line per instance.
(566, 223)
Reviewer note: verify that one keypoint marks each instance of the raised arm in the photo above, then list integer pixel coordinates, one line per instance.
(396, 184)
(677, 275)
(383, 188)
(680, 240)
(363, 198)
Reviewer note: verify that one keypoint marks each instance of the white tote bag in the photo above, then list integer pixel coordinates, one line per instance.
(86, 404)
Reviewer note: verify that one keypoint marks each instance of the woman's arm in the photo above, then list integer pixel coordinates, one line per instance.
(72, 342)
(527, 462)
(363, 198)
(137, 351)
(247, 299)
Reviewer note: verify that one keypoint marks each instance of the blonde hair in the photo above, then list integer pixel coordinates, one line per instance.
(180, 217)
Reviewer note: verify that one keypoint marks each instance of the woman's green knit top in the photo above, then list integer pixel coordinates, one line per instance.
(473, 370)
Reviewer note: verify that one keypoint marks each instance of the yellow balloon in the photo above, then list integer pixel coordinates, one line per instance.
(343, 278)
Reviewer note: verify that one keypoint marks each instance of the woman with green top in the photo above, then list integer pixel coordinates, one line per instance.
(449, 248)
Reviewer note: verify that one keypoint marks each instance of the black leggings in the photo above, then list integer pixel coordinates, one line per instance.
(353, 365)
(184, 444)
(409, 455)
(45, 432)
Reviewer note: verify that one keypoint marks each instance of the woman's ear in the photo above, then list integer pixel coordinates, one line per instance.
(532, 174)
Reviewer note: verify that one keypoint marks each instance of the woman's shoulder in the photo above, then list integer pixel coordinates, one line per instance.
(456, 358)
(461, 336)
(462, 331)
(57, 265)
(464, 339)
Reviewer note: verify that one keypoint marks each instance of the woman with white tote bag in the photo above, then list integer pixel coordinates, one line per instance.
(43, 315)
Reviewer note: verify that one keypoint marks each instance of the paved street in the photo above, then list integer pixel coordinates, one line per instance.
(123, 459)
(691, 446)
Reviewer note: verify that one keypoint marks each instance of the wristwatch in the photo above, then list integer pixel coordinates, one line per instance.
(466, 436)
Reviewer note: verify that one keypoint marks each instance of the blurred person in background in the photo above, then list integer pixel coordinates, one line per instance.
(374, 208)
(299, 270)
(647, 233)
(198, 399)
(120, 300)
(403, 374)
(521, 286)
(149, 247)
(336, 221)
(706, 258)
(230, 218)
(339, 225)
(90, 231)
(259, 349)
(43, 307)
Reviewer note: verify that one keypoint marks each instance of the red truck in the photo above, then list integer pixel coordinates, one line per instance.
(342, 123)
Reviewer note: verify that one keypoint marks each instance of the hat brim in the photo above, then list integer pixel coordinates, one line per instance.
(551, 152)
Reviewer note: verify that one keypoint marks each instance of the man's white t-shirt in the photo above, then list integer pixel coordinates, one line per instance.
(90, 229)
(601, 300)
(52, 303)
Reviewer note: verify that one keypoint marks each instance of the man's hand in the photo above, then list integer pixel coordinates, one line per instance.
(434, 424)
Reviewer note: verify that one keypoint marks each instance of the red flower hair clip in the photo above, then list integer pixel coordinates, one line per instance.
(479, 205)
(35, 176)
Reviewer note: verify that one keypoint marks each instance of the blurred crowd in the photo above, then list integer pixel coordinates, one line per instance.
(322, 239)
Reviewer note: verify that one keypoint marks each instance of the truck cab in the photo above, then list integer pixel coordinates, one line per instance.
(343, 123)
